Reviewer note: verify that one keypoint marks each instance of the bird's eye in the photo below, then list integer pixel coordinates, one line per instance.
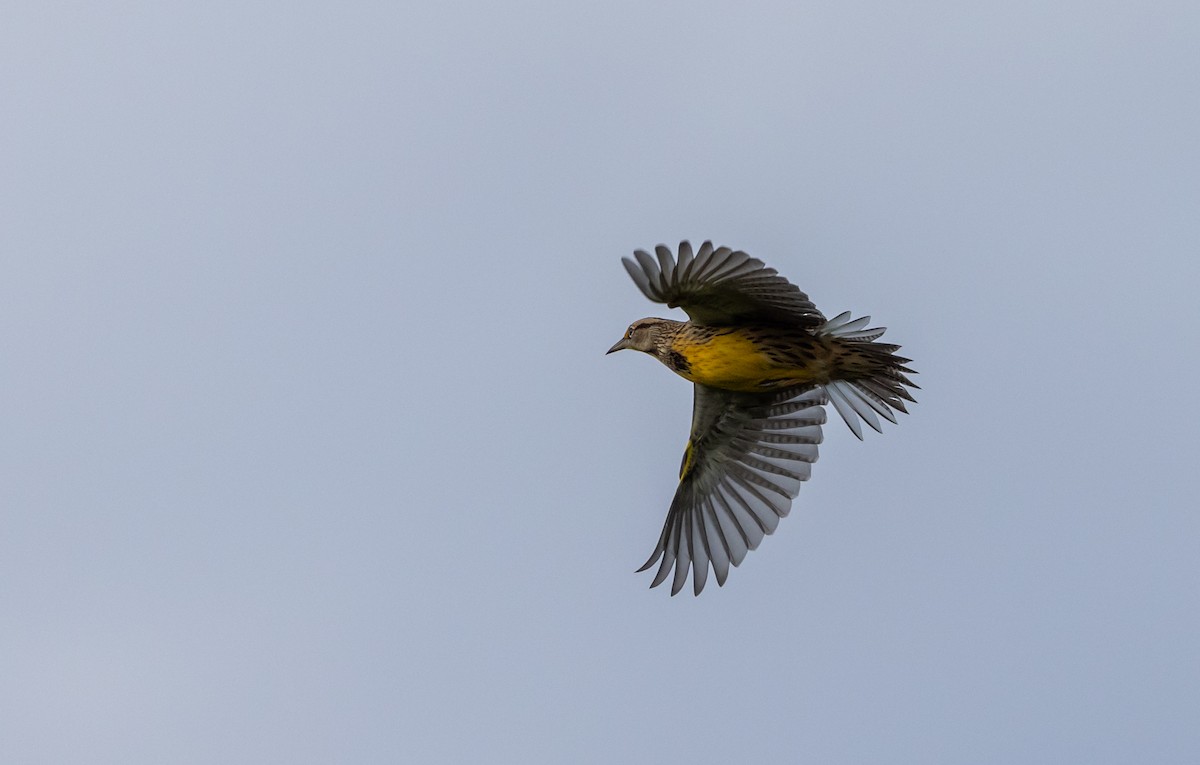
(629, 333)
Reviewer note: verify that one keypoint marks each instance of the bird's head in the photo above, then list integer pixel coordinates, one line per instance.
(646, 335)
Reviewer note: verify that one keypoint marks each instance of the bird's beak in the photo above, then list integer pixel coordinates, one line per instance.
(622, 344)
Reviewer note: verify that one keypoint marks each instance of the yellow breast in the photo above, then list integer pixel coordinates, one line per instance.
(733, 360)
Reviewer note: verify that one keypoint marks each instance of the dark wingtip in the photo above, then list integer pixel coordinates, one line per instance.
(650, 562)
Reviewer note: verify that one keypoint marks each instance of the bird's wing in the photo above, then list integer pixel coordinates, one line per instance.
(720, 286)
(745, 460)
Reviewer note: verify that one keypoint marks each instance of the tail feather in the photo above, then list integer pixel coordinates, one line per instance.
(871, 379)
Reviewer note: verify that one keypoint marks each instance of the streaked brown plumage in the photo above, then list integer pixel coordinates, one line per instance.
(764, 361)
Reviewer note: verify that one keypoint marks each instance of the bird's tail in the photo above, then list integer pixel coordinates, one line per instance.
(869, 378)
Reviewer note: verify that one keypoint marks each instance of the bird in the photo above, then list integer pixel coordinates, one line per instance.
(764, 363)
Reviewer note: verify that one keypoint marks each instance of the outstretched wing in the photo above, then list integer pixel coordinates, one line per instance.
(746, 458)
(720, 286)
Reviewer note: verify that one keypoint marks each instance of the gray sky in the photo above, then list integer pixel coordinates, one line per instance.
(312, 452)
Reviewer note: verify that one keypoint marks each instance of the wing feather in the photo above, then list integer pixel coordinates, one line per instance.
(719, 551)
(684, 553)
(727, 515)
(750, 454)
(720, 286)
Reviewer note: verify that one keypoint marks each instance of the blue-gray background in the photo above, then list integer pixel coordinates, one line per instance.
(311, 453)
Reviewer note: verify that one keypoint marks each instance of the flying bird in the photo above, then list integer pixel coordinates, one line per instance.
(764, 362)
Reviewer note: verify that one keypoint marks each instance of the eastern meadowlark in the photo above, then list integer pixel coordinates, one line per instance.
(764, 362)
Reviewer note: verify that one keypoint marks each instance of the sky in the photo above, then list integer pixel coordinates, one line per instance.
(312, 452)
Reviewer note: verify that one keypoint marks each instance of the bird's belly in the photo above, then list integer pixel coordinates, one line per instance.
(733, 361)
